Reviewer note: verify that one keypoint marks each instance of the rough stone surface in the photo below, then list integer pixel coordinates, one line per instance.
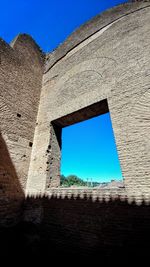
(101, 67)
(21, 70)
(107, 58)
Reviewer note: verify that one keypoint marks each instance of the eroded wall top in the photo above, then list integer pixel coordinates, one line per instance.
(21, 71)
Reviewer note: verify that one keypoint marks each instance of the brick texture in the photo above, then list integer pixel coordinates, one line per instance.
(21, 69)
(105, 61)
(107, 58)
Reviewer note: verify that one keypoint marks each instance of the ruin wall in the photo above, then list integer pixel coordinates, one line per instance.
(21, 70)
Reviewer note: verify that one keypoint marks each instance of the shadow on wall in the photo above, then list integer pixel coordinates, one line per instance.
(81, 228)
(11, 194)
(78, 226)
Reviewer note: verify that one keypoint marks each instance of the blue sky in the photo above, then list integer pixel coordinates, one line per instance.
(93, 151)
(48, 21)
(89, 150)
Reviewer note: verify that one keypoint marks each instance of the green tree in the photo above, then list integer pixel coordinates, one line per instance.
(72, 180)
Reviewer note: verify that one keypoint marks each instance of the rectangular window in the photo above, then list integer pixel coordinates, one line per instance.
(83, 152)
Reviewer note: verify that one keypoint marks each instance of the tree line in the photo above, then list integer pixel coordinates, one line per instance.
(70, 180)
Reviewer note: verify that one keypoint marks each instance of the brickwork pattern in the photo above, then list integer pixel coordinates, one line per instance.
(107, 58)
(21, 70)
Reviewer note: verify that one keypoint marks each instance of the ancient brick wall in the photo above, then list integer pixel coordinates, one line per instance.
(86, 223)
(21, 70)
(106, 59)
(102, 66)
(103, 225)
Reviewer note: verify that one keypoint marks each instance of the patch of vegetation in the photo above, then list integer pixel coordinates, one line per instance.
(67, 181)
(71, 180)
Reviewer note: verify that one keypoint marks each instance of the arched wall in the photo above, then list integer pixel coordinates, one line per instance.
(111, 64)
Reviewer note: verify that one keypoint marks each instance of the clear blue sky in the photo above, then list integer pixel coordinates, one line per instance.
(49, 22)
(89, 150)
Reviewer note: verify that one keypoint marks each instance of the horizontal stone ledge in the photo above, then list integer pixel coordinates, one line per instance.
(81, 193)
(100, 195)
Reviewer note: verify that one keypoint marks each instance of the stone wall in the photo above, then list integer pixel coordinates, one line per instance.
(107, 58)
(95, 224)
(21, 70)
(103, 66)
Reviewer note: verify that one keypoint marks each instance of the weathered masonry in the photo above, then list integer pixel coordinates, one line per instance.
(107, 59)
(103, 66)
